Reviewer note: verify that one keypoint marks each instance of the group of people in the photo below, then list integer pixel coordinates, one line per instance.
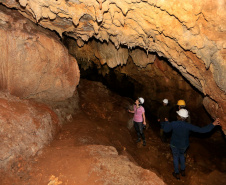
(164, 112)
(180, 130)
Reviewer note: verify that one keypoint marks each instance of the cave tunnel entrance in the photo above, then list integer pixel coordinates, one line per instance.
(123, 86)
(154, 81)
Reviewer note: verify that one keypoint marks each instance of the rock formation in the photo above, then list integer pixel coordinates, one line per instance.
(26, 127)
(34, 63)
(190, 34)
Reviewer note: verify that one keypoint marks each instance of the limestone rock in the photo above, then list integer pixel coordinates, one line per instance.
(141, 58)
(107, 53)
(34, 64)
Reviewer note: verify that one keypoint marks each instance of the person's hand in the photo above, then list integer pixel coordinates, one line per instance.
(129, 110)
(144, 123)
(158, 120)
(166, 119)
(216, 122)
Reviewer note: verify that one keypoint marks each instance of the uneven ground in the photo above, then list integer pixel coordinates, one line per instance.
(82, 152)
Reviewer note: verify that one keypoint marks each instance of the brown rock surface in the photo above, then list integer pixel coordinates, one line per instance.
(26, 127)
(34, 64)
(190, 34)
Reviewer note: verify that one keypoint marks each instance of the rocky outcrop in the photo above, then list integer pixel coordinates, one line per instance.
(26, 127)
(190, 34)
(34, 63)
(118, 169)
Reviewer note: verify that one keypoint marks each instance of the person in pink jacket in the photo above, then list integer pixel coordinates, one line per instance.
(139, 119)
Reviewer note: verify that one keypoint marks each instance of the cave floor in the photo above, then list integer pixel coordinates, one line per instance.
(64, 161)
(103, 121)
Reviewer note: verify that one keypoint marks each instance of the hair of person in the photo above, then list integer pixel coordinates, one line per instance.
(181, 118)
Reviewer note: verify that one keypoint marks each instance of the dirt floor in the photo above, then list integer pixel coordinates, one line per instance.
(66, 160)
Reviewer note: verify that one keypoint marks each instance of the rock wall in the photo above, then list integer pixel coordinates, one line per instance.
(190, 34)
(34, 63)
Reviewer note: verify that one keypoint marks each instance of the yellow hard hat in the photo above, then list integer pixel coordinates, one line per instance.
(181, 102)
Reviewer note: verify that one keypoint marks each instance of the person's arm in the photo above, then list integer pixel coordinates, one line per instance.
(143, 114)
(205, 129)
(131, 111)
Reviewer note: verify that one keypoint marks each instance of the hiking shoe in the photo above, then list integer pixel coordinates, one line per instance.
(138, 140)
(182, 172)
(144, 143)
(176, 175)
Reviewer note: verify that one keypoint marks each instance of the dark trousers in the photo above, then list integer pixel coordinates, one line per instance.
(139, 129)
(178, 157)
(162, 134)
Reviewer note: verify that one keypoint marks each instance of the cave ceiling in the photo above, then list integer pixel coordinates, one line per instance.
(190, 34)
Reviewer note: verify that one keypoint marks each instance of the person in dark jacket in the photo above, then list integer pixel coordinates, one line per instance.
(163, 112)
(180, 138)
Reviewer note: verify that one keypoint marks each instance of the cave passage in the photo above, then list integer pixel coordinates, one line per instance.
(203, 147)
(70, 70)
(156, 156)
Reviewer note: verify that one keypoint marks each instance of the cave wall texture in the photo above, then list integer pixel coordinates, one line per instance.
(190, 34)
(34, 63)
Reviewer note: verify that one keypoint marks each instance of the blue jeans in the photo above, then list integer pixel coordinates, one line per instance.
(178, 156)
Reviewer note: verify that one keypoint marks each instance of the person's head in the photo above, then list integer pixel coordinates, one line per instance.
(165, 102)
(181, 104)
(182, 114)
(140, 101)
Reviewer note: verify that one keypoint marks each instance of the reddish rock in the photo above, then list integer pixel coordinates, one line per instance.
(161, 65)
(26, 127)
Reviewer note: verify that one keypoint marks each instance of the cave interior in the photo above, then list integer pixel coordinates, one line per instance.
(70, 70)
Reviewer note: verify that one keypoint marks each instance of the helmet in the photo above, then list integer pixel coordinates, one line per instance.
(183, 113)
(181, 102)
(141, 100)
(166, 101)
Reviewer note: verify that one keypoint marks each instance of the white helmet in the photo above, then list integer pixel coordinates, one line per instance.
(166, 101)
(183, 113)
(141, 100)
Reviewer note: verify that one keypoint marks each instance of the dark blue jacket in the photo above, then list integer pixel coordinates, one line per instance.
(180, 132)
